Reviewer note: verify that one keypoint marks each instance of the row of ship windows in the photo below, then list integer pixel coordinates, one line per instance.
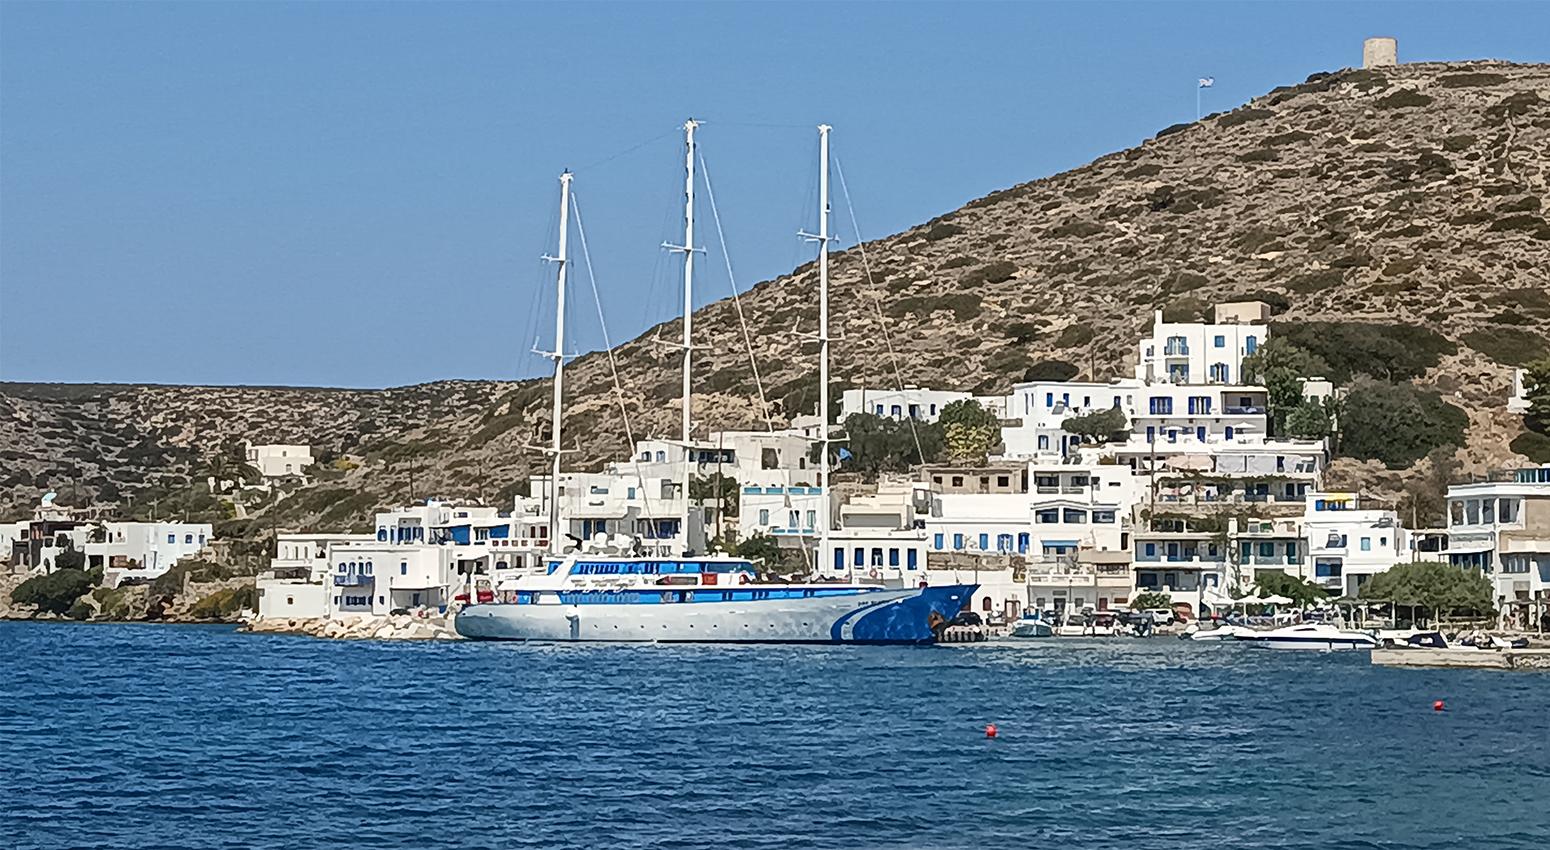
(862, 556)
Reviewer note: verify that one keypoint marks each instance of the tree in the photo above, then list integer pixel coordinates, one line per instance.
(1438, 588)
(1282, 368)
(1425, 501)
(1098, 427)
(1151, 600)
(53, 593)
(1536, 388)
(970, 431)
(1397, 423)
(71, 558)
(873, 444)
(1278, 583)
(1307, 421)
(715, 489)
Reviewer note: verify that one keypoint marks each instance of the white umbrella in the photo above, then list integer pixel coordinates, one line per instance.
(1276, 600)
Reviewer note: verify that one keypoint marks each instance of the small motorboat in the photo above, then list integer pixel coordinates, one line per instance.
(1033, 625)
(1225, 631)
(1320, 636)
(1089, 624)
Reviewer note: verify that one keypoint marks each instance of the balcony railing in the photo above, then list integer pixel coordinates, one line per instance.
(353, 580)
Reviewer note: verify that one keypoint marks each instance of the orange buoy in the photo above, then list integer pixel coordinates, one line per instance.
(1439, 705)
(990, 730)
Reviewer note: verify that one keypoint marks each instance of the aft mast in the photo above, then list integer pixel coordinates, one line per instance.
(561, 262)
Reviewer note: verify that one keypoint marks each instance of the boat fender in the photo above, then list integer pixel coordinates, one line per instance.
(743, 579)
(874, 573)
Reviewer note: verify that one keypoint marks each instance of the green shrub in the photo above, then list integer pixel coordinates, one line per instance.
(81, 610)
(1535, 447)
(225, 604)
(1315, 281)
(1277, 301)
(1508, 346)
(1397, 424)
(1243, 116)
(942, 230)
(1393, 352)
(996, 272)
(1460, 81)
(53, 593)
(1184, 310)
(1051, 370)
(1021, 332)
(957, 262)
(1074, 335)
(1404, 98)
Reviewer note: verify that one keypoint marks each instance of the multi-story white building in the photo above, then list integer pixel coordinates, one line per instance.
(1502, 527)
(297, 584)
(751, 457)
(144, 550)
(374, 579)
(1041, 512)
(1198, 353)
(1349, 543)
(279, 461)
(649, 509)
(1163, 413)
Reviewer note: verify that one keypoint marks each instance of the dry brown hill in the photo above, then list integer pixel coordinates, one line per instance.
(1410, 195)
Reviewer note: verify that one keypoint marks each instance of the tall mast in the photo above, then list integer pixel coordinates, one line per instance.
(823, 341)
(688, 314)
(561, 262)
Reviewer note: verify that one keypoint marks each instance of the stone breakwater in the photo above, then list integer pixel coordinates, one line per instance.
(391, 627)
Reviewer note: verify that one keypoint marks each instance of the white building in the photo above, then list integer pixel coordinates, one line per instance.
(1518, 401)
(374, 579)
(279, 461)
(297, 584)
(752, 457)
(1502, 527)
(648, 509)
(1040, 512)
(145, 550)
(1348, 543)
(1164, 413)
(917, 403)
(1198, 353)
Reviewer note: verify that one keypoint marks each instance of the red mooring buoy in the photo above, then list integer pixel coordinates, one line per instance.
(1439, 705)
(990, 730)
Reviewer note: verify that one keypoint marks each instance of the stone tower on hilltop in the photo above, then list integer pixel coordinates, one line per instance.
(1379, 52)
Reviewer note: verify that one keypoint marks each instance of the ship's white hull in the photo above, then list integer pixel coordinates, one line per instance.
(884, 616)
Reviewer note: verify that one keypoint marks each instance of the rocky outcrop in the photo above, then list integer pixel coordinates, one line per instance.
(394, 627)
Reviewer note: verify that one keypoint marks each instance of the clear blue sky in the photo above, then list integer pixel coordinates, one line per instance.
(355, 194)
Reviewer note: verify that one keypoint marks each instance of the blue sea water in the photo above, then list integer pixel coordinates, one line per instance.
(202, 738)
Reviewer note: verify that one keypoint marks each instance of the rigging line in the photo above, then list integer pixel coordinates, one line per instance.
(737, 301)
(877, 302)
(627, 151)
(613, 368)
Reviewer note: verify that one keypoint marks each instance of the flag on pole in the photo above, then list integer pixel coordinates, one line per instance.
(1207, 82)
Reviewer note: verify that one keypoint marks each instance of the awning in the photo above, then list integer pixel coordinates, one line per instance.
(1093, 556)
(1202, 463)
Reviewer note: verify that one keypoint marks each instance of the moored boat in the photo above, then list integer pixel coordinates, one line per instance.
(1320, 636)
(704, 600)
(1033, 625)
(1224, 632)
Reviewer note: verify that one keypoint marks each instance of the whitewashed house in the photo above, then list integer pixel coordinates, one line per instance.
(1349, 543)
(1502, 527)
(297, 584)
(145, 550)
(277, 461)
(1200, 353)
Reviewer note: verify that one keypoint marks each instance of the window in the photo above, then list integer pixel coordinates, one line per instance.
(1507, 510)
(1049, 399)
(1267, 549)
(1022, 543)
(1043, 441)
(1250, 345)
(794, 519)
(1046, 515)
(895, 411)
(839, 558)
(172, 538)
(1003, 481)
(661, 457)
(1149, 549)
(630, 493)
(1219, 372)
(812, 519)
(1103, 517)
(1072, 515)
(1220, 341)
(1228, 435)
(957, 480)
(933, 410)
(936, 541)
(984, 542)
(1161, 405)
(893, 557)
(877, 556)
(860, 559)
(985, 604)
(1366, 544)
(878, 410)
(911, 560)
(764, 516)
(958, 541)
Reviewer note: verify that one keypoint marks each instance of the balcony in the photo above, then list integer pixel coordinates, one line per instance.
(353, 580)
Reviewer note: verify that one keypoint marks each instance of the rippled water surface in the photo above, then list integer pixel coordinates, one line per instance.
(191, 737)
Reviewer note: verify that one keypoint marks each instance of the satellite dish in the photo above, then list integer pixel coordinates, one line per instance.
(49, 497)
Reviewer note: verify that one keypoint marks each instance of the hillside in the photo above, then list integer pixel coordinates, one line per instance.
(1412, 195)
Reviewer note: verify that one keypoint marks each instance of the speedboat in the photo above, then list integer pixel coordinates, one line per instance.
(1226, 631)
(1310, 636)
(1088, 624)
(1033, 625)
(709, 599)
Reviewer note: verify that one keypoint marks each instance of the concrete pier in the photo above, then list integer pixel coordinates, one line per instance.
(1488, 659)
